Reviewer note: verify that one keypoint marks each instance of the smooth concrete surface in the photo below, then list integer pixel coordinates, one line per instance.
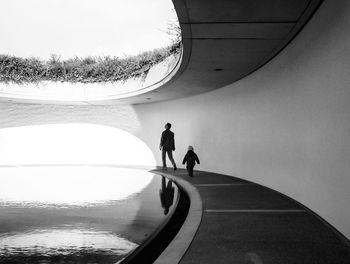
(286, 126)
(247, 235)
(225, 40)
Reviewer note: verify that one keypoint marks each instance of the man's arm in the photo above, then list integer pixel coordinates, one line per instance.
(161, 141)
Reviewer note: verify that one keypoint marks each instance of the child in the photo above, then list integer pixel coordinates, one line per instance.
(191, 158)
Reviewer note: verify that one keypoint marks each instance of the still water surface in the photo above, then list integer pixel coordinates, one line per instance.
(78, 214)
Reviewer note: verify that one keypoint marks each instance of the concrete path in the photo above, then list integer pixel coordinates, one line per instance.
(244, 222)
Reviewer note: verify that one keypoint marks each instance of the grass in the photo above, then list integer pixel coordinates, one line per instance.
(81, 70)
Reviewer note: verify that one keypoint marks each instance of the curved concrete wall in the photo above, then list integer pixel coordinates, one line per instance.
(287, 126)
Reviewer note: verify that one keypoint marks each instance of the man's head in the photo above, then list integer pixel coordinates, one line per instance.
(167, 126)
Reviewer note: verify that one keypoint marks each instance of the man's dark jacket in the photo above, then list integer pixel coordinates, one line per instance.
(167, 140)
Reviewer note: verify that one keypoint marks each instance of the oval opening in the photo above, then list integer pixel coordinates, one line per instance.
(72, 144)
(87, 50)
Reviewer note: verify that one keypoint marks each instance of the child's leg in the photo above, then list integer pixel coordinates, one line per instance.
(190, 171)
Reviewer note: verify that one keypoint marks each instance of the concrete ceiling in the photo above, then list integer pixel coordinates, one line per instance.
(225, 40)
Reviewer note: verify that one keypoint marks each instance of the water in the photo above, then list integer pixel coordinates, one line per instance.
(79, 214)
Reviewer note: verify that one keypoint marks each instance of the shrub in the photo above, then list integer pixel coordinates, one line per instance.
(84, 70)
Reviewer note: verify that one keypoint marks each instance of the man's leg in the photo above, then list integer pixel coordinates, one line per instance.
(163, 158)
(170, 155)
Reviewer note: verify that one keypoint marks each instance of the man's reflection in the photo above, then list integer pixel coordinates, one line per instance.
(166, 195)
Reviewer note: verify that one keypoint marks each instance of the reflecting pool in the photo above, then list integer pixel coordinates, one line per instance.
(79, 214)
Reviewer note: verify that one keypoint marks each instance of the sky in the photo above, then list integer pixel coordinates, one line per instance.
(69, 28)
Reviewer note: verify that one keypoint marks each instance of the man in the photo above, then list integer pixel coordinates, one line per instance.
(167, 145)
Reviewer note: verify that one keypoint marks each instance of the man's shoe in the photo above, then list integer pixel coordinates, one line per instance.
(175, 168)
(164, 168)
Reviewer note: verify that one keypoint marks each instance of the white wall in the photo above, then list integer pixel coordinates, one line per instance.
(287, 126)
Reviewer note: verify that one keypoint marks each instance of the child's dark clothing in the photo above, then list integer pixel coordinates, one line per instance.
(191, 158)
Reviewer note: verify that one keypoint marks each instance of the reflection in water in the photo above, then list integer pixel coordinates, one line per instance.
(66, 245)
(76, 214)
(69, 185)
(166, 195)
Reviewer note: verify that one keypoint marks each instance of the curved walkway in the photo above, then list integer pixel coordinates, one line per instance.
(244, 222)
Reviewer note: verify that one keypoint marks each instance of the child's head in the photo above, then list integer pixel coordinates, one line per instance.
(190, 148)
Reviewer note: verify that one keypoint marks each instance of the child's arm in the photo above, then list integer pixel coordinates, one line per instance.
(197, 159)
(185, 159)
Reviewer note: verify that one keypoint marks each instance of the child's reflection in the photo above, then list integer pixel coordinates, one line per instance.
(166, 195)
